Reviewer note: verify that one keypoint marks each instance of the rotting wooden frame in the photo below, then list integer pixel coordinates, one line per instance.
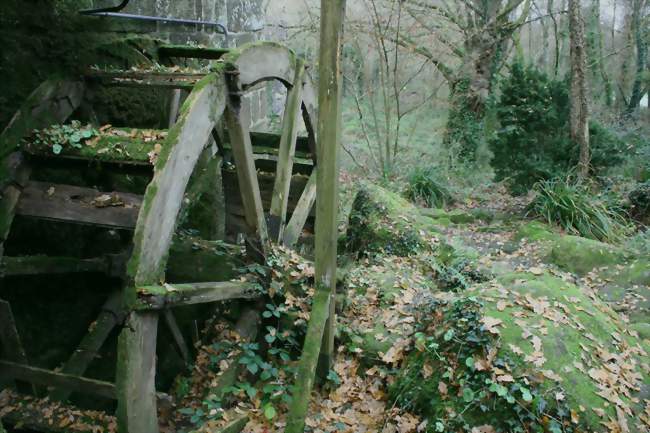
(217, 94)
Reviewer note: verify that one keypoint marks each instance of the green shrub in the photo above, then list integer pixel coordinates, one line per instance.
(640, 202)
(573, 207)
(425, 186)
(532, 142)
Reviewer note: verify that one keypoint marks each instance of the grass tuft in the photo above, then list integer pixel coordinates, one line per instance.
(425, 186)
(574, 207)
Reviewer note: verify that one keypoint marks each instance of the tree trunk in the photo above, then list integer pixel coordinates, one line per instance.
(641, 56)
(579, 106)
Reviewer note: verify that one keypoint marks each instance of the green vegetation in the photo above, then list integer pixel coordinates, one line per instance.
(573, 207)
(424, 185)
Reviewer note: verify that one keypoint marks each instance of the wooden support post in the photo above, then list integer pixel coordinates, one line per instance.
(182, 347)
(318, 348)
(308, 362)
(10, 341)
(329, 139)
(284, 169)
(174, 105)
(301, 212)
(136, 372)
(111, 315)
(242, 151)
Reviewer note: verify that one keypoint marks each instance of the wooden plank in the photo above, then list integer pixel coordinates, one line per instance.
(111, 315)
(300, 213)
(190, 52)
(14, 174)
(156, 79)
(329, 140)
(176, 295)
(12, 347)
(39, 265)
(136, 374)
(182, 347)
(13, 370)
(284, 168)
(78, 205)
(301, 392)
(246, 174)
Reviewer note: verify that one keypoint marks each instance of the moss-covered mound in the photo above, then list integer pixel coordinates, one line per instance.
(383, 222)
(526, 353)
(581, 255)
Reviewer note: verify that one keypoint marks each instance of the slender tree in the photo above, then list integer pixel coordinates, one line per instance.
(579, 105)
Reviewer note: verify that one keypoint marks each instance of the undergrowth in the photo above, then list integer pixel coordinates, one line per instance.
(424, 185)
(456, 381)
(575, 208)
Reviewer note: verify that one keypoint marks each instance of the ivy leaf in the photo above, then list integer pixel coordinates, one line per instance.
(526, 395)
(269, 411)
(252, 367)
(469, 362)
(57, 148)
(468, 395)
(449, 335)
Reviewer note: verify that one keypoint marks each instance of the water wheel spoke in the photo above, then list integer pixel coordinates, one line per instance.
(284, 169)
(301, 212)
(242, 151)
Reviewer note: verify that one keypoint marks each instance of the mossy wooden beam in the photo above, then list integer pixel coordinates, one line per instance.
(136, 374)
(176, 295)
(189, 52)
(111, 315)
(39, 376)
(126, 146)
(284, 168)
(301, 212)
(329, 140)
(305, 375)
(162, 79)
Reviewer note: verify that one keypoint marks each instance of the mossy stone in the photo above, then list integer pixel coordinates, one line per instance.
(383, 222)
(535, 231)
(581, 255)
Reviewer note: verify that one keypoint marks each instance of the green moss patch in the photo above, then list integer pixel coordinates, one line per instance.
(524, 353)
(383, 222)
(581, 255)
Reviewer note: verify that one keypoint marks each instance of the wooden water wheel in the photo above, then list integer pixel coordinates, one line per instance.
(212, 113)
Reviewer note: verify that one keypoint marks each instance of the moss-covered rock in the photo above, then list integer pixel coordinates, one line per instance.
(581, 255)
(525, 353)
(535, 231)
(383, 222)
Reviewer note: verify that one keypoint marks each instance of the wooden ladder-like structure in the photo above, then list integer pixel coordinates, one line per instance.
(213, 110)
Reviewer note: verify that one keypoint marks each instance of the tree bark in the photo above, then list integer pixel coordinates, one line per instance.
(641, 56)
(579, 105)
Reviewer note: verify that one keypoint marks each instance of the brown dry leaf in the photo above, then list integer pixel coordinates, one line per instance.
(427, 370)
(442, 388)
(501, 305)
(535, 270)
(486, 428)
(490, 324)
(516, 349)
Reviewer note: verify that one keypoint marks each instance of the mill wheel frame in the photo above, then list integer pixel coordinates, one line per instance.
(218, 95)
